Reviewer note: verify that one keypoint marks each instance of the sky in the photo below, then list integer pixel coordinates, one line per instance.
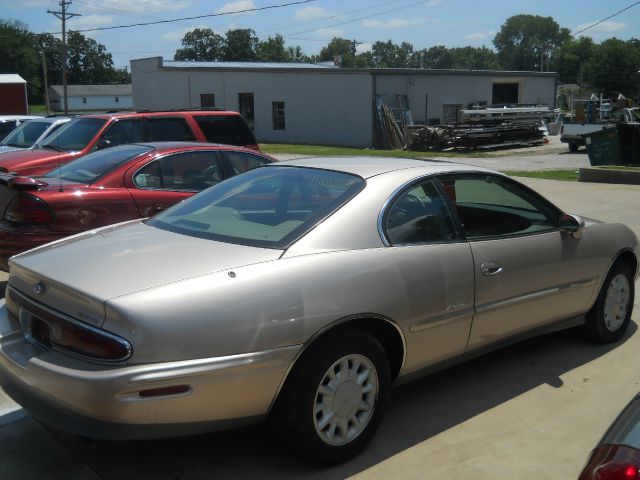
(424, 23)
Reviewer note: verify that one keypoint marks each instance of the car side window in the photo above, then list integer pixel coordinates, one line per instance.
(241, 162)
(493, 206)
(190, 171)
(124, 131)
(169, 129)
(419, 215)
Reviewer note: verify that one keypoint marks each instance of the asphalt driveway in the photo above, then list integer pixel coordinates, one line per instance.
(531, 411)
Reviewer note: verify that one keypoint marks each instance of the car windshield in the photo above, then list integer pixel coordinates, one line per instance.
(74, 135)
(267, 207)
(91, 167)
(25, 135)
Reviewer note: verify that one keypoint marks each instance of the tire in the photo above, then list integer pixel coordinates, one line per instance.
(608, 319)
(303, 417)
(573, 147)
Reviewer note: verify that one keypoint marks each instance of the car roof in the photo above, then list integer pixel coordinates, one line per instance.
(8, 118)
(50, 120)
(163, 113)
(199, 145)
(367, 167)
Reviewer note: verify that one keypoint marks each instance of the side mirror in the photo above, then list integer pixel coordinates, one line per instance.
(572, 224)
(103, 143)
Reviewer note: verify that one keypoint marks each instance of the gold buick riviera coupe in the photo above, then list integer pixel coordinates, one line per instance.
(303, 291)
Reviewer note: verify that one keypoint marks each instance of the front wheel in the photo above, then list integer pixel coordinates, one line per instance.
(334, 400)
(609, 317)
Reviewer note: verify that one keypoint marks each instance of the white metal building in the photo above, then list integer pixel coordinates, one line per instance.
(314, 104)
(91, 97)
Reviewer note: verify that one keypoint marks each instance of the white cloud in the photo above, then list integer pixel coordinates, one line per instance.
(433, 3)
(310, 13)
(364, 47)
(480, 35)
(603, 28)
(328, 32)
(236, 6)
(141, 6)
(394, 23)
(177, 35)
(90, 21)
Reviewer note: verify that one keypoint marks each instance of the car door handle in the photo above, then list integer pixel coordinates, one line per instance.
(490, 268)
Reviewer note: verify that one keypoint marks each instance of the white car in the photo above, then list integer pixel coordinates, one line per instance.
(9, 122)
(29, 134)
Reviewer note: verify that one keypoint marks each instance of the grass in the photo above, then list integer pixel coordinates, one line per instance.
(562, 175)
(37, 110)
(324, 151)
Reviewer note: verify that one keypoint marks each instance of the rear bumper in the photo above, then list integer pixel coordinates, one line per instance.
(104, 401)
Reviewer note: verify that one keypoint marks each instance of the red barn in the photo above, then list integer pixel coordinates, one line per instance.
(13, 95)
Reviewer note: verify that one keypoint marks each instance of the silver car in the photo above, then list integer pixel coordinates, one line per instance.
(29, 134)
(302, 291)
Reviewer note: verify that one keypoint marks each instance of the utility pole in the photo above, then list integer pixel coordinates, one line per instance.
(46, 83)
(63, 15)
(354, 46)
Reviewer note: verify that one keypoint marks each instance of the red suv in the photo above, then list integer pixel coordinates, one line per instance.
(89, 133)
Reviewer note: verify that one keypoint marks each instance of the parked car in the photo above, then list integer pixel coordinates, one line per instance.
(617, 455)
(300, 290)
(9, 122)
(89, 133)
(110, 186)
(28, 134)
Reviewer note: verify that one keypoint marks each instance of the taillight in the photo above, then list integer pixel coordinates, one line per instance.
(75, 338)
(613, 462)
(28, 209)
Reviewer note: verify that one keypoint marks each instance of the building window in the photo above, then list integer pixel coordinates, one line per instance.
(505, 93)
(117, 99)
(84, 99)
(207, 100)
(278, 116)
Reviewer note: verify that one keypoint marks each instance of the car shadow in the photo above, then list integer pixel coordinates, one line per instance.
(417, 412)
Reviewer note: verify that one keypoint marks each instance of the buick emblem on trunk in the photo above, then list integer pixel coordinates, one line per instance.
(39, 288)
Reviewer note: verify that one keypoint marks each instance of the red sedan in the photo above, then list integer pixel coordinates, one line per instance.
(110, 186)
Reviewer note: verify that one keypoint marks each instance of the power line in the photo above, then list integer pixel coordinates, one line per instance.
(605, 19)
(173, 20)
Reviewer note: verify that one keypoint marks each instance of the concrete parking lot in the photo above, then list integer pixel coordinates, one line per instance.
(531, 411)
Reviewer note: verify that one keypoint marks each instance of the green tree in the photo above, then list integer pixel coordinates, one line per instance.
(18, 55)
(474, 58)
(613, 68)
(529, 42)
(202, 45)
(241, 45)
(389, 55)
(273, 50)
(435, 57)
(572, 58)
(338, 48)
(88, 61)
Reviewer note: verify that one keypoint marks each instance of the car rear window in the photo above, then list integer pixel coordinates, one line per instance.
(26, 134)
(74, 135)
(267, 207)
(91, 167)
(228, 129)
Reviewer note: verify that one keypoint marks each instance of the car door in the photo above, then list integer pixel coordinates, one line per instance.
(528, 272)
(120, 132)
(435, 266)
(166, 181)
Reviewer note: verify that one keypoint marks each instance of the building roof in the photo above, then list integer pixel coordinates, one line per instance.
(246, 65)
(119, 90)
(11, 78)
(312, 67)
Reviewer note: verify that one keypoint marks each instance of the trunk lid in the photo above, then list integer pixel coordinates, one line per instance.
(78, 274)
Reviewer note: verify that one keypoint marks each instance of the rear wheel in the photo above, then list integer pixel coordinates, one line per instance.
(334, 399)
(573, 147)
(609, 317)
